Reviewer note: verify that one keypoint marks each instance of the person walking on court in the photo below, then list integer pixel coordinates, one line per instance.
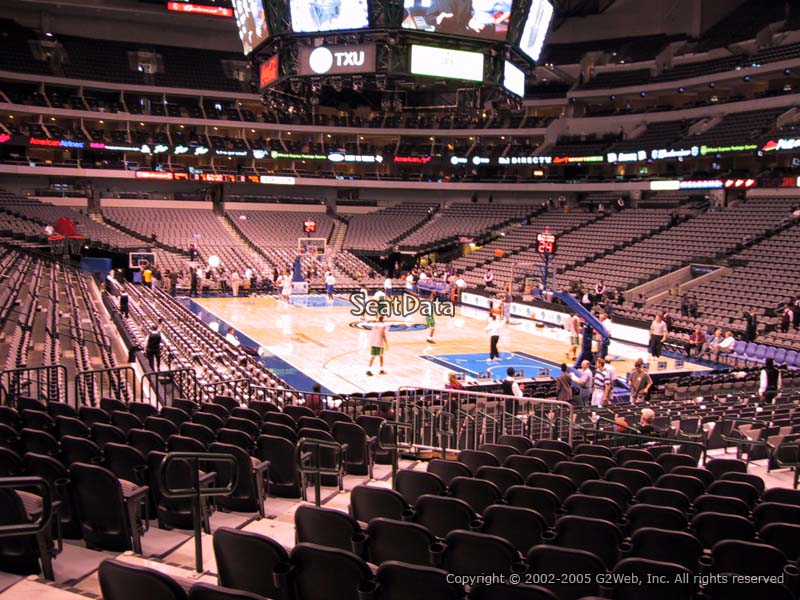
(494, 327)
(153, 348)
(378, 344)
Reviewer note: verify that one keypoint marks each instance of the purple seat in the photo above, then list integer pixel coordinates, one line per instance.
(750, 350)
(791, 357)
(780, 356)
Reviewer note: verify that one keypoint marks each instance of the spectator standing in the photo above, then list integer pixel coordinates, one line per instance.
(640, 382)
(193, 277)
(787, 317)
(658, 335)
(564, 385)
(153, 348)
(770, 381)
(601, 386)
(387, 287)
(124, 303)
(511, 387)
(750, 324)
(584, 382)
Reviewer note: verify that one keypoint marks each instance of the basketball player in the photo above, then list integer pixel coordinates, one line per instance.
(430, 321)
(286, 286)
(330, 281)
(378, 344)
(572, 326)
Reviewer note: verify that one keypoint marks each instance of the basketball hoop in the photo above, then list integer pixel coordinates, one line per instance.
(57, 244)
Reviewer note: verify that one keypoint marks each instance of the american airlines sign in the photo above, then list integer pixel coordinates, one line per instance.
(337, 60)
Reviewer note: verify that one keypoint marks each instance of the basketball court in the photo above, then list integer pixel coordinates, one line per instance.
(324, 343)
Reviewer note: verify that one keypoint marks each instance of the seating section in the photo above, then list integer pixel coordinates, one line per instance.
(461, 219)
(179, 229)
(44, 214)
(707, 236)
(376, 232)
(755, 285)
(50, 317)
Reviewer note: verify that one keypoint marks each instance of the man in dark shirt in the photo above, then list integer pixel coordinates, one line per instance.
(564, 385)
(153, 349)
(645, 425)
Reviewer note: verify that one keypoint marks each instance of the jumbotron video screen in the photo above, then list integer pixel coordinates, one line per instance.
(251, 21)
(314, 16)
(484, 19)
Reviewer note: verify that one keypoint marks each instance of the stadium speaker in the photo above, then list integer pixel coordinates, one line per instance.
(499, 253)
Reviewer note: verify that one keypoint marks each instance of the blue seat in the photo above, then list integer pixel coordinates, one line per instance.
(771, 350)
(780, 356)
(795, 364)
(750, 350)
(739, 347)
(761, 353)
(791, 357)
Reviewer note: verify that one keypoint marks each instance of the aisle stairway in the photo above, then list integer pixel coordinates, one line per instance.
(260, 259)
(336, 240)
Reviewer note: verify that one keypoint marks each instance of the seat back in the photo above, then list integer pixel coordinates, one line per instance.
(400, 581)
(325, 526)
(368, 502)
(283, 476)
(320, 573)
(522, 527)
(472, 553)
(391, 539)
(413, 484)
(100, 507)
(441, 515)
(245, 561)
(124, 581)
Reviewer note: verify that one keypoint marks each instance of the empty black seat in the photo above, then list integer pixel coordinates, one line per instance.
(399, 581)
(543, 501)
(478, 493)
(390, 539)
(325, 527)
(284, 479)
(472, 553)
(665, 545)
(475, 459)
(522, 527)
(446, 470)
(556, 564)
(441, 515)
(320, 573)
(413, 484)
(369, 502)
(109, 515)
(246, 561)
(124, 581)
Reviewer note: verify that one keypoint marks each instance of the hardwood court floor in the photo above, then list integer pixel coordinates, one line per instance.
(321, 342)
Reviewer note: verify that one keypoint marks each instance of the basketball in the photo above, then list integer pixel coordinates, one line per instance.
(499, 253)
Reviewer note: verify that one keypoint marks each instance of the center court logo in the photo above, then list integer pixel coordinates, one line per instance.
(398, 306)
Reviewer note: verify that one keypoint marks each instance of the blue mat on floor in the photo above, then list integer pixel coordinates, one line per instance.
(474, 364)
(317, 301)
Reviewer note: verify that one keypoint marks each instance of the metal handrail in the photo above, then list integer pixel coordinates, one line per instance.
(394, 446)
(644, 438)
(34, 375)
(301, 455)
(196, 492)
(43, 521)
(126, 378)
